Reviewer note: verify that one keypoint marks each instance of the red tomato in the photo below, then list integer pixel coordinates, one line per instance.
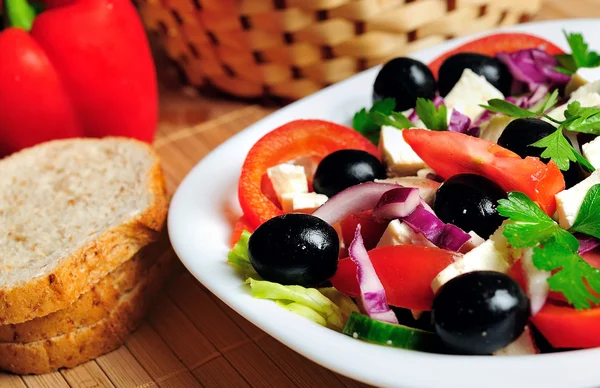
(493, 44)
(565, 327)
(406, 272)
(451, 153)
(291, 141)
(371, 230)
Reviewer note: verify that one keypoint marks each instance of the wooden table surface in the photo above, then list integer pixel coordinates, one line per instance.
(191, 339)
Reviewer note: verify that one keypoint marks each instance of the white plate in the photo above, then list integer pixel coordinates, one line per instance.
(205, 207)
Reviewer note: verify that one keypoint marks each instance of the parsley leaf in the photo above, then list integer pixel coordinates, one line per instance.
(502, 106)
(560, 151)
(555, 249)
(394, 119)
(567, 64)
(363, 120)
(434, 118)
(574, 275)
(582, 56)
(550, 101)
(588, 218)
(586, 120)
(530, 225)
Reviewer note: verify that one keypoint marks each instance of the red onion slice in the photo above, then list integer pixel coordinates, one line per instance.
(425, 222)
(586, 243)
(452, 238)
(353, 200)
(397, 203)
(445, 236)
(371, 290)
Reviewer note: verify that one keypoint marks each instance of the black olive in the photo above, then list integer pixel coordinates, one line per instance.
(494, 71)
(294, 249)
(480, 312)
(520, 133)
(404, 79)
(469, 202)
(344, 168)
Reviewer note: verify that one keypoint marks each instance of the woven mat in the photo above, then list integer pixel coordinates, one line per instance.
(191, 339)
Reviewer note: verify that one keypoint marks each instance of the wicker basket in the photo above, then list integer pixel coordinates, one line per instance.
(292, 48)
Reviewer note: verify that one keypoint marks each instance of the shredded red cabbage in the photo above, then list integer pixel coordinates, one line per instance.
(533, 67)
(462, 123)
(371, 290)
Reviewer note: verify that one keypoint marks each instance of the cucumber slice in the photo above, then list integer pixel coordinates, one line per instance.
(399, 336)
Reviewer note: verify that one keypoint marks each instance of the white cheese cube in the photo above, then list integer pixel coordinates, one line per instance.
(493, 255)
(591, 151)
(585, 80)
(521, 346)
(473, 242)
(287, 178)
(427, 187)
(494, 128)
(398, 233)
(568, 202)
(302, 202)
(470, 91)
(398, 156)
(586, 100)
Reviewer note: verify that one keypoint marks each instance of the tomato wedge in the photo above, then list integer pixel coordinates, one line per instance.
(406, 272)
(565, 327)
(371, 230)
(294, 140)
(493, 44)
(451, 153)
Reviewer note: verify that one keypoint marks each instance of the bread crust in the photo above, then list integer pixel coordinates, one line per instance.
(87, 265)
(91, 307)
(89, 342)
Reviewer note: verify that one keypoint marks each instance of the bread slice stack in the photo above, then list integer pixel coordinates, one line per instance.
(78, 266)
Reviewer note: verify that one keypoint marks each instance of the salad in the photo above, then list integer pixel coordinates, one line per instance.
(460, 214)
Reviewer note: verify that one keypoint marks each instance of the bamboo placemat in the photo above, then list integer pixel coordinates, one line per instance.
(191, 339)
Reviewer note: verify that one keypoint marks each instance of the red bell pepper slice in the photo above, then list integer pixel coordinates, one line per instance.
(405, 271)
(239, 227)
(294, 140)
(451, 153)
(84, 69)
(493, 44)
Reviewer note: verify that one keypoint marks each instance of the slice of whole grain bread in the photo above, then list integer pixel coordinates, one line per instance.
(72, 211)
(88, 342)
(91, 307)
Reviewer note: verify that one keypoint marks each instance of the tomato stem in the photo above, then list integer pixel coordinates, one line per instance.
(20, 14)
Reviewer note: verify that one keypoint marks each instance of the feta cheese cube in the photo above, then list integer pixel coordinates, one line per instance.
(584, 81)
(398, 233)
(302, 202)
(493, 255)
(591, 151)
(287, 178)
(586, 100)
(398, 156)
(427, 187)
(493, 129)
(523, 345)
(568, 202)
(470, 91)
